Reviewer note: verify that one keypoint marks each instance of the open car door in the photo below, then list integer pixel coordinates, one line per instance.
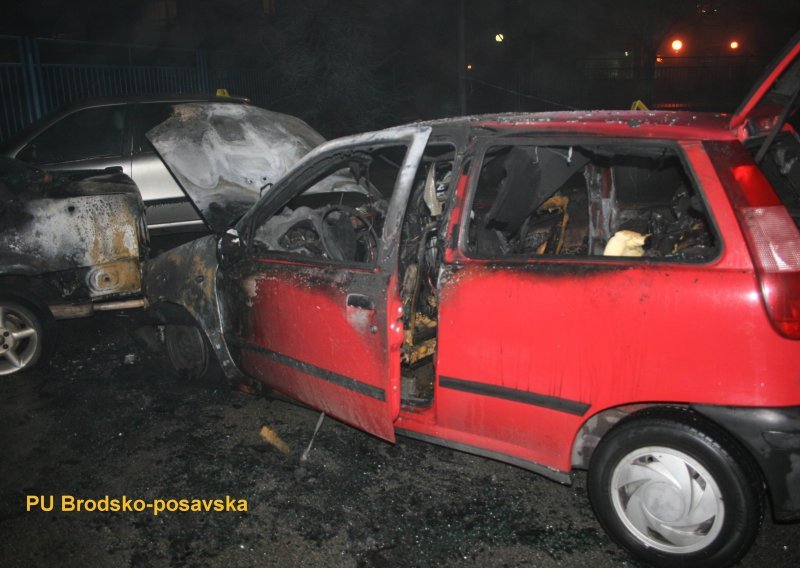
(314, 303)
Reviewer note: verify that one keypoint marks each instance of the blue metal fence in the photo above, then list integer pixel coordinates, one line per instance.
(39, 75)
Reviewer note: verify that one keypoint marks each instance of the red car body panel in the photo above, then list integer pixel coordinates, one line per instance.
(600, 334)
(579, 336)
(678, 125)
(329, 336)
(304, 328)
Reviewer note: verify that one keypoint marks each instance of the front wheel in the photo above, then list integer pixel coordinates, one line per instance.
(189, 352)
(675, 491)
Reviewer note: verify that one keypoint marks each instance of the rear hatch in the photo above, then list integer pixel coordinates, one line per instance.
(773, 94)
(767, 122)
(769, 213)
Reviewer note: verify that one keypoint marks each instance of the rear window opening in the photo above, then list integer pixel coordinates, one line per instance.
(578, 201)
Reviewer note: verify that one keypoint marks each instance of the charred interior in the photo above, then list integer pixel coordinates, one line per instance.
(419, 266)
(588, 201)
(341, 215)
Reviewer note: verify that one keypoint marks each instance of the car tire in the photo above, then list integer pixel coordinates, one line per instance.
(675, 490)
(24, 337)
(189, 353)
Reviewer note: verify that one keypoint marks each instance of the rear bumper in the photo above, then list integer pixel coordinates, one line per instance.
(772, 435)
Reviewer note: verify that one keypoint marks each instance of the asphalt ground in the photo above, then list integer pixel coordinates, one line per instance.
(106, 419)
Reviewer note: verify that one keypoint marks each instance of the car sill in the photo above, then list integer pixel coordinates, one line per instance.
(562, 477)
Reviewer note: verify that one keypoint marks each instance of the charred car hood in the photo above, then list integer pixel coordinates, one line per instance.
(224, 156)
(776, 88)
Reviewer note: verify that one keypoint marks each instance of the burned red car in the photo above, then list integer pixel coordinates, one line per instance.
(610, 291)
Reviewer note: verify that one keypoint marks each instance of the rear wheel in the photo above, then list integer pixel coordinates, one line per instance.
(188, 351)
(675, 490)
(21, 337)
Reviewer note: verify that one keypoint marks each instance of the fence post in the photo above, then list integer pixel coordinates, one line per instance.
(202, 71)
(32, 87)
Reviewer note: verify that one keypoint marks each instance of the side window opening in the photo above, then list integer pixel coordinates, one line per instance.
(340, 215)
(91, 133)
(148, 116)
(587, 201)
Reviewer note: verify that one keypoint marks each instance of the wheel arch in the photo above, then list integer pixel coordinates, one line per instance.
(172, 313)
(166, 313)
(19, 289)
(599, 424)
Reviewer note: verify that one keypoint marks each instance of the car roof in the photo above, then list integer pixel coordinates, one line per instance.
(163, 98)
(672, 125)
(14, 143)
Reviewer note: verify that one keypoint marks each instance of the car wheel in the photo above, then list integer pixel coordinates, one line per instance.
(188, 351)
(21, 337)
(676, 491)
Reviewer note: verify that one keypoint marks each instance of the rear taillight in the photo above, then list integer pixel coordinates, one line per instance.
(772, 236)
(774, 243)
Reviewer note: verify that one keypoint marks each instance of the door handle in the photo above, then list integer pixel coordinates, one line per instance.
(360, 301)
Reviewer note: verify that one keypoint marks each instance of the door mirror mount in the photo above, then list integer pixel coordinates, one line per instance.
(230, 248)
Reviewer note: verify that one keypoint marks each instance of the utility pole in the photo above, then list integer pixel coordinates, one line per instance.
(462, 61)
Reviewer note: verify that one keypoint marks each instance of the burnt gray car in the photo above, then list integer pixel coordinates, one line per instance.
(70, 244)
(96, 134)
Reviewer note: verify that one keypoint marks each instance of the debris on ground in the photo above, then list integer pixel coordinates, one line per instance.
(271, 437)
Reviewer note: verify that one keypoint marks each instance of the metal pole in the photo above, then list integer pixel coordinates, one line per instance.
(462, 61)
(30, 61)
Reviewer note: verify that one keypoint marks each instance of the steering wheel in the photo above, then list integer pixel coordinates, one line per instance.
(340, 236)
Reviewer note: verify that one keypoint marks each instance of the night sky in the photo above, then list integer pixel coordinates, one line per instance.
(350, 66)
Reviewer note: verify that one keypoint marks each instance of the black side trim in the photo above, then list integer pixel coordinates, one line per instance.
(309, 369)
(549, 472)
(167, 201)
(525, 397)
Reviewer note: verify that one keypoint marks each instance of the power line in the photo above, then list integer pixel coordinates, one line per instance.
(521, 94)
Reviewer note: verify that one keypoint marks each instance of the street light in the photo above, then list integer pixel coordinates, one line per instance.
(677, 45)
(499, 38)
(734, 44)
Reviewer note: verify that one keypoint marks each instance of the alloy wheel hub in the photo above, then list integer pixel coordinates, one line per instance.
(19, 340)
(7, 339)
